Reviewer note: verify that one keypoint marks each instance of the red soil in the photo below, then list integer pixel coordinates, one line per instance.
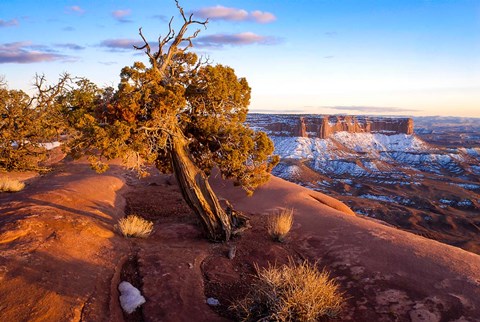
(61, 257)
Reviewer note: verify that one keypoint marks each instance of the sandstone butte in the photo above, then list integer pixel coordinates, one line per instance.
(322, 126)
(61, 258)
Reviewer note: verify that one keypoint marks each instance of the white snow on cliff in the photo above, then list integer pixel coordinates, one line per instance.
(367, 153)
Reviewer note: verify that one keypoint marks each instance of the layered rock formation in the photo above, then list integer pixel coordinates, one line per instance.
(322, 126)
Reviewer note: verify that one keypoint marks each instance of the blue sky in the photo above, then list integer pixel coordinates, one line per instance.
(403, 57)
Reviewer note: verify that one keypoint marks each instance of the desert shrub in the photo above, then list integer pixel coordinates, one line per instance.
(10, 185)
(293, 292)
(135, 226)
(279, 225)
(26, 123)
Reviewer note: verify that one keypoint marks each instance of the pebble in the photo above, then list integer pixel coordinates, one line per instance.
(213, 302)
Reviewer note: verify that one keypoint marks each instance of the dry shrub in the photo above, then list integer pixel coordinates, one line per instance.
(11, 185)
(293, 292)
(279, 224)
(135, 226)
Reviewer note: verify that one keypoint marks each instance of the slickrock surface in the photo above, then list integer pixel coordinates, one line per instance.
(59, 253)
(62, 259)
(391, 275)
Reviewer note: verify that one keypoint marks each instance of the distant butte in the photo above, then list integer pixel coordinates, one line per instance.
(322, 126)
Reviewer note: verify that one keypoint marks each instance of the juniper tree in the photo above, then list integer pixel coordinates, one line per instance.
(28, 122)
(181, 114)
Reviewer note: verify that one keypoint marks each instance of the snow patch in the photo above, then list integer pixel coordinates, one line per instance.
(50, 145)
(130, 297)
(468, 186)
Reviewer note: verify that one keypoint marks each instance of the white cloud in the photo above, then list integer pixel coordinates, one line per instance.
(121, 15)
(121, 44)
(262, 17)
(234, 14)
(25, 53)
(8, 23)
(240, 39)
(76, 9)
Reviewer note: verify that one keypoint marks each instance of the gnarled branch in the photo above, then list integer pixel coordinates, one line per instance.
(161, 61)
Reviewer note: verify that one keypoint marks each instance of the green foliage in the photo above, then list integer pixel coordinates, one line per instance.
(214, 121)
(26, 123)
(14, 115)
(20, 131)
(208, 104)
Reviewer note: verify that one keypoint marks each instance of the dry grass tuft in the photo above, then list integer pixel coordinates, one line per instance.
(135, 226)
(279, 224)
(10, 185)
(293, 292)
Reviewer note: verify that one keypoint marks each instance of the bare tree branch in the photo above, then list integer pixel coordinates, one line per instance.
(47, 94)
(163, 42)
(3, 81)
(146, 46)
(161, 61)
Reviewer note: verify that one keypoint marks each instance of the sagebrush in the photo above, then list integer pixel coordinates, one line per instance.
(135, 226)
(10, 185)
(279, 225)
(293, 292)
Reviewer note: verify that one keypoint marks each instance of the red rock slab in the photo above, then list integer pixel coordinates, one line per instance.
(171, 267)
(58, 246)
(388, 274)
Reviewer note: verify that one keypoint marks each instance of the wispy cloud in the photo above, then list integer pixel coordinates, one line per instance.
(75, 9)
(372, 109)
(70, 46)
(26, 53)
(108, 63)
(8, 23)
(262, 17)
(68, 28)
(121, 44)
(234, 14)
(121, 15)
(162, 18)
(241, 39)
(331, 33)
(278, 111)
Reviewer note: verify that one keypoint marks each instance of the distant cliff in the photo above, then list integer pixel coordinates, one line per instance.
(322, 126)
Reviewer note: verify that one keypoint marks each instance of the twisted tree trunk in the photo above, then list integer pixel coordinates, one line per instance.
(197, 192)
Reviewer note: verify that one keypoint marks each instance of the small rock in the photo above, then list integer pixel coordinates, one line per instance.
(231, 252)
(213, 302)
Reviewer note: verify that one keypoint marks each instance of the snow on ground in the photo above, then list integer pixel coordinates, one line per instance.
(130, 297)
(378, 198)
(468, 186)
(474, 152)
(362, 154)
(366, 142)
(286, 171)
(394, 199)
(475, 169)
(50, 145)
(47, 146)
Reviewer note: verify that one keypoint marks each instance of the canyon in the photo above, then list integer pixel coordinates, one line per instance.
(425, 180)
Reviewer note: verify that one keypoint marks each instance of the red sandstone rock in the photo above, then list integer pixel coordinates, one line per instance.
(322, 126)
